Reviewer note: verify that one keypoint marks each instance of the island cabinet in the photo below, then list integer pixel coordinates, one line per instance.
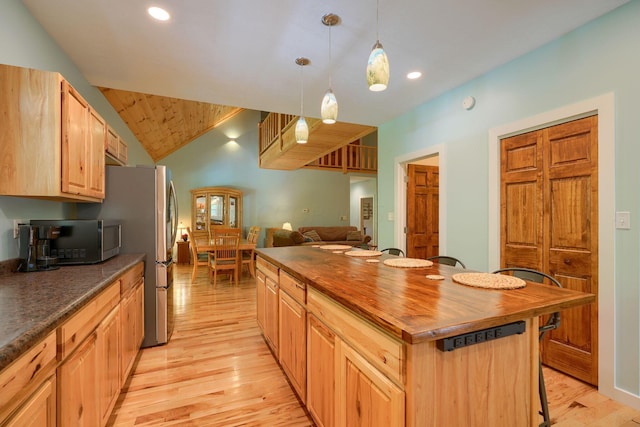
(53, 141)
(321, 352)
(28, 387)
(292, 332)
(267, 302)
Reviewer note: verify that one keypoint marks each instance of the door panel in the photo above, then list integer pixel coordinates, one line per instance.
(549, 221)
(422, 211)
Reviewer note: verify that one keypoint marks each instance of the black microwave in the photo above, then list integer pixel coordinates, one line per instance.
(84, 241)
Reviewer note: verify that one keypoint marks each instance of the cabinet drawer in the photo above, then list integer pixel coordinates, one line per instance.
(295, 288)
(131, 278)
(267, 268)
(76, 329)
(20, 378)
(379, 348)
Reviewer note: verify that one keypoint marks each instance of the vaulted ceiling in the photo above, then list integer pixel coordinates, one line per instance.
(241, 53)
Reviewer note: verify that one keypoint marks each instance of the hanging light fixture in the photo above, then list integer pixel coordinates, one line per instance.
(378, 64)
(302, 129)
(329, 108)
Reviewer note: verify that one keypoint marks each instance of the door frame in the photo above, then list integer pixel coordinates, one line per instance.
(400, 185)
(604, 107)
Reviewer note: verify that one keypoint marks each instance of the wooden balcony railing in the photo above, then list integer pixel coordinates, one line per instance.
(349, 158)
(271, 129)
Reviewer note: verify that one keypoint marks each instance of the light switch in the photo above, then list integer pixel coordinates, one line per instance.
(623, 220)
(389, 216)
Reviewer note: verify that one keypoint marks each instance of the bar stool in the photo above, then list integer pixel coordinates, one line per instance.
(552, 323)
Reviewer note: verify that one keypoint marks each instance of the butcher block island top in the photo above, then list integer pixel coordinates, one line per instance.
(408, 305)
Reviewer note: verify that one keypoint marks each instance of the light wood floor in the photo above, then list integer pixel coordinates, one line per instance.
(217, 371)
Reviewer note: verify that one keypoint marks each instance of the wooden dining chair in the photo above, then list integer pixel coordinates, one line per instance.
(199, 259)
(552, 323)
(224, 257)
(248, 256)
(446, 260)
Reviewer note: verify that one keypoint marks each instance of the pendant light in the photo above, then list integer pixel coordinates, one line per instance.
(329, 108)
(378, 64)
(302, 129)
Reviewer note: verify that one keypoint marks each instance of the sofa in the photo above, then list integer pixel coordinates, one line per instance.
(320, 235)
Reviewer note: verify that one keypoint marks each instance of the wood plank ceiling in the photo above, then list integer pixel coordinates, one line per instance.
(162, 124)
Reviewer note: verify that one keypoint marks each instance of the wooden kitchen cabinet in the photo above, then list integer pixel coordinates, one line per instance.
(321, 348)
(53, 141)
(132, 318)
(109, 381)
(267, 306)
(78, 394)
(364, 396)
(39, 410)
(28, 387)
(293, 342)
(116, 149)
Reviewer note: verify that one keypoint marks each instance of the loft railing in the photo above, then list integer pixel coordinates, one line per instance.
(349, 158)
(271, 129)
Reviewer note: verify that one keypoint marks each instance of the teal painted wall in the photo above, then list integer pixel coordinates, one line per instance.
(598, 58)
(270, 197)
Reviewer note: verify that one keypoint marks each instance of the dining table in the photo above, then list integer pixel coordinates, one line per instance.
(243, 246)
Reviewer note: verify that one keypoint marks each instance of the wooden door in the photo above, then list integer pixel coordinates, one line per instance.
(549, 219)
(95, 154)
(422, 211)
(271, 314)
(75, 142)
(108, 366)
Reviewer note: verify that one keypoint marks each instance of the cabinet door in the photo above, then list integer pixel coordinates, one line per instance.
(109, 362)
(39, 410)
(260, 298)
(271, 314)
(139, 316)
(75, 142)
(364, 396)
(293, 343)
(78, 387)
(128, 337)
(95, 154)
(320, 372)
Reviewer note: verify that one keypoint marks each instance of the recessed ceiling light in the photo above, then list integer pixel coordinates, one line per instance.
(159, 13)
(414, 75)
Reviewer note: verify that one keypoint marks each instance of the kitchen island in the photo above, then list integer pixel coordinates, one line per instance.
(365, 344)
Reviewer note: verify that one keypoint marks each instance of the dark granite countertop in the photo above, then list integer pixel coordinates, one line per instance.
(34, 304)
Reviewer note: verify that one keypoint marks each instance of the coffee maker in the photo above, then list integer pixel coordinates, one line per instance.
(35, 247)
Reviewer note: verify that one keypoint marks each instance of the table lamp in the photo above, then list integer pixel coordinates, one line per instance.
(287, 226)
(183, 232)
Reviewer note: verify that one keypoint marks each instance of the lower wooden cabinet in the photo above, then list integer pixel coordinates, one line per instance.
(39, 410)
(78, 386)
(271, 314)
(132, 321)
(364, 396)
(293, 342)
(261, 285)
(108, 364)
(321, 347)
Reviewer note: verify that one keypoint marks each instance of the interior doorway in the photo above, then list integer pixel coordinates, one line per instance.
(366, 216)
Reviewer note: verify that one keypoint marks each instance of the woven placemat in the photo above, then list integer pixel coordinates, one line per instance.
(407, 262)
(335, 247)
(363, 253)
(489, 280)
(373, 260)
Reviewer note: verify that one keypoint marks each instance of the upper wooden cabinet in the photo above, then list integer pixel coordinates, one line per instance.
(215, 207)
(116, 149)
(52, 140)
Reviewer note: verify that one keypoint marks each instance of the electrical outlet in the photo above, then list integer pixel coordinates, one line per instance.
(305, 210)
(16, 228)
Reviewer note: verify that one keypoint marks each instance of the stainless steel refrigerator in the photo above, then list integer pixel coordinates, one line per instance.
(143, 199)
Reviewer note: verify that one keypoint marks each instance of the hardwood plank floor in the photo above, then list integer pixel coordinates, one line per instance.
(218, 371)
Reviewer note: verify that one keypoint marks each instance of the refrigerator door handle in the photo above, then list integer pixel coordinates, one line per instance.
(173, 196)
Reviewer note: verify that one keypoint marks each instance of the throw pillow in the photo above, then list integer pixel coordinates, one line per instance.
(354, 235)
(313, 234)
(297, 237)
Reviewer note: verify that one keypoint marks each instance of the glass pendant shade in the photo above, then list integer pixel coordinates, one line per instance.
(329, 108)
(302, 131)
(378, 69)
